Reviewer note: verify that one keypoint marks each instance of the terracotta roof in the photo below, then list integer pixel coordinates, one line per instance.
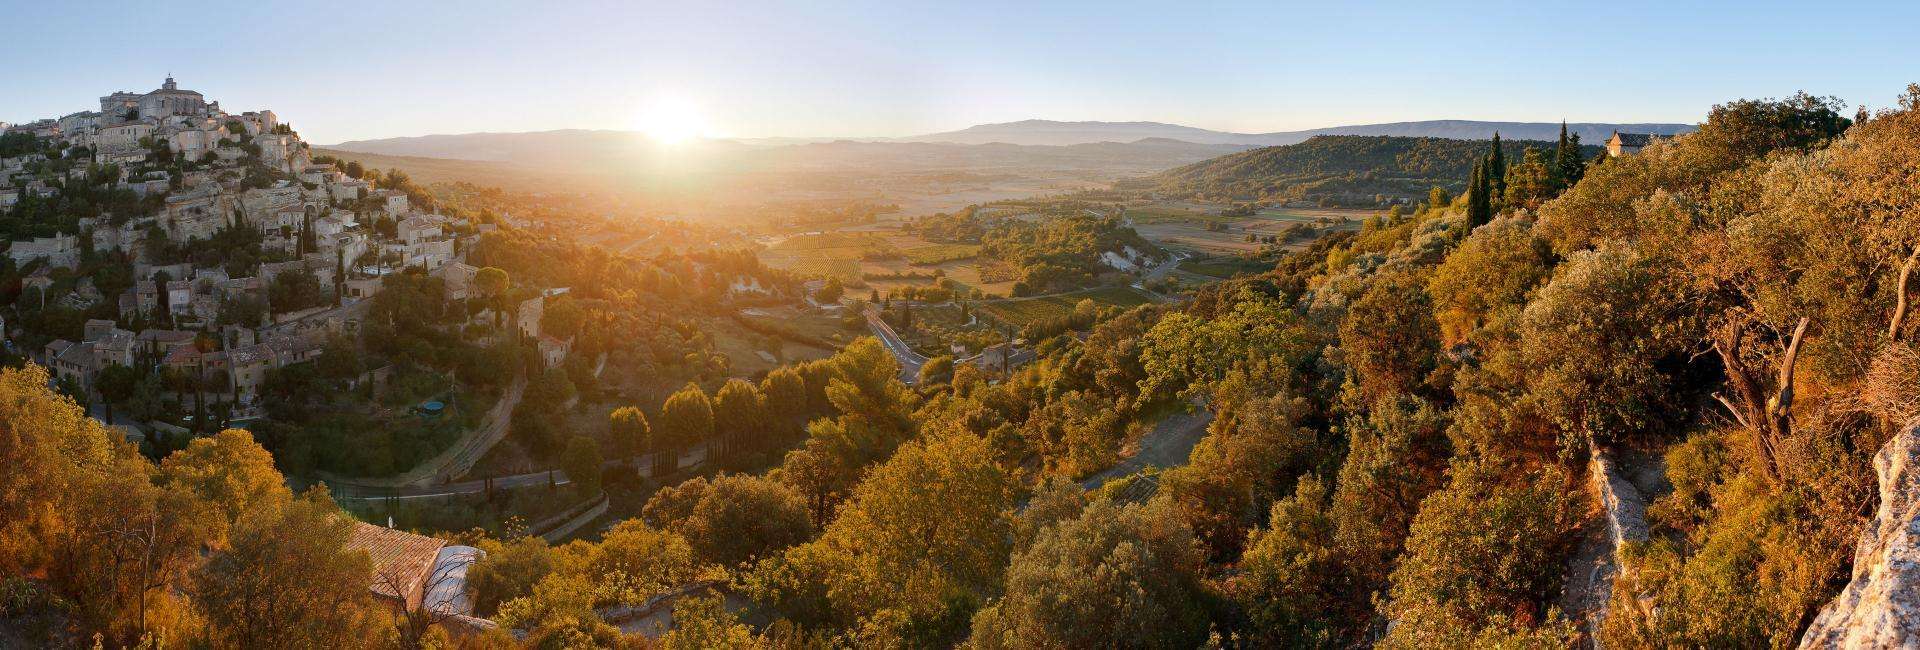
(398, 557)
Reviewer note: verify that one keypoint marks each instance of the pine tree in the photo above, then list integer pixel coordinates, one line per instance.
(1556, 172)
(1570, 164)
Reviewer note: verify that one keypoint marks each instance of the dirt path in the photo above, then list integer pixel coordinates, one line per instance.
(1168, 445)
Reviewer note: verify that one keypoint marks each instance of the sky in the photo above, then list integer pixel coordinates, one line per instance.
(348, 71)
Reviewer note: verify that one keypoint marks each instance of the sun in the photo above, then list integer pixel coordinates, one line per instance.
(672, 121)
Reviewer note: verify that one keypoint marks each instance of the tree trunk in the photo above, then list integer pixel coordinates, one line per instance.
(1900, 297)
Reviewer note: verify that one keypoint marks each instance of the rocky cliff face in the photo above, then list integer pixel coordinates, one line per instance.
(1881, 607)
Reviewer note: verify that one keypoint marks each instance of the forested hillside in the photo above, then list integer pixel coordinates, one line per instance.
(1335, 170)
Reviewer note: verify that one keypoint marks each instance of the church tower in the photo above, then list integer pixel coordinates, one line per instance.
(168, 84)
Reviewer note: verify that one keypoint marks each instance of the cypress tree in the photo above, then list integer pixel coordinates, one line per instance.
(305, 243)
(339, 274)
(1556, 172)
(1479, 197)
(1497, 168)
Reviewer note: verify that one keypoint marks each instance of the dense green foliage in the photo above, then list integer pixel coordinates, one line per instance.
(1342, 170)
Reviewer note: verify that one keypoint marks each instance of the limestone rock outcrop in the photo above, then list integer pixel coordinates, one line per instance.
(1880, 608)
(1622, 494)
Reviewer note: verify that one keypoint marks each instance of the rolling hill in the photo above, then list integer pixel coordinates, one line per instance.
(1346, 170)
(1062, 133)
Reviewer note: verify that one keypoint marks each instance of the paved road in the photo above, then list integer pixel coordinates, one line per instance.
(455, 459)
(1169, 444)
(694, 457)
(1164, 268)
(910, 361)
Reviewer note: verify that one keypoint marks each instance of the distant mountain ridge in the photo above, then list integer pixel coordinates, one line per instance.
(571, 146)
(537, 144)
(1049, 132)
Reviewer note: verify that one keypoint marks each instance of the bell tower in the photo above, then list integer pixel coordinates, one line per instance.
(169, 84)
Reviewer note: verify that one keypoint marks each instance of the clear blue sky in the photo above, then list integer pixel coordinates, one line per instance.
(352, 70)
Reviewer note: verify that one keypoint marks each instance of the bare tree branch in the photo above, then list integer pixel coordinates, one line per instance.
(1734, 411)
(1780, 407)
(1768, 417)
(1900, 297)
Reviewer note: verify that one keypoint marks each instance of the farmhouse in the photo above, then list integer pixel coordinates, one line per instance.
(1622, 144)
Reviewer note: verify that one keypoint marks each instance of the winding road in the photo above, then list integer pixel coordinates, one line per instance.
(910, 361)
(695, 456)
(455, 460)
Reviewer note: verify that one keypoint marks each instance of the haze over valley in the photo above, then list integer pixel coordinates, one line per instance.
(923, 174)
(507, 326)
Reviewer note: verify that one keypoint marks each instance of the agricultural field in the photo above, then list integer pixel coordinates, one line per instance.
(1021, 311)
(1170, 213)
(938, 253)
(1201, 229)
(847, 270)
(830, 254)
(1221, 267)
(1316, 215)
(961, 264)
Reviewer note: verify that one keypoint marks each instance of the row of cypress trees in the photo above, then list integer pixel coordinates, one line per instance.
(1487, 186)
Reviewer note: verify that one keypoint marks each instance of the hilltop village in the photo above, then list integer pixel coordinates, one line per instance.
(163, 231)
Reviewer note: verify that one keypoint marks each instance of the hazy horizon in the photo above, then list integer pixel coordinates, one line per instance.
(890, 70)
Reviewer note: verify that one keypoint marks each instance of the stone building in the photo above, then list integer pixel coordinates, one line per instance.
(123, 136)
(118, 106)
(170, 100)
(1622, 144)
(78, 123)
(60, 250)
(527, 316)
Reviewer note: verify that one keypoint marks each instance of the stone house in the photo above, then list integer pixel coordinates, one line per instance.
(393, 201)
(60, 250)
(458, 277)
(527, 316)
(244, 370)
(1622, 144)
(554, 351)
